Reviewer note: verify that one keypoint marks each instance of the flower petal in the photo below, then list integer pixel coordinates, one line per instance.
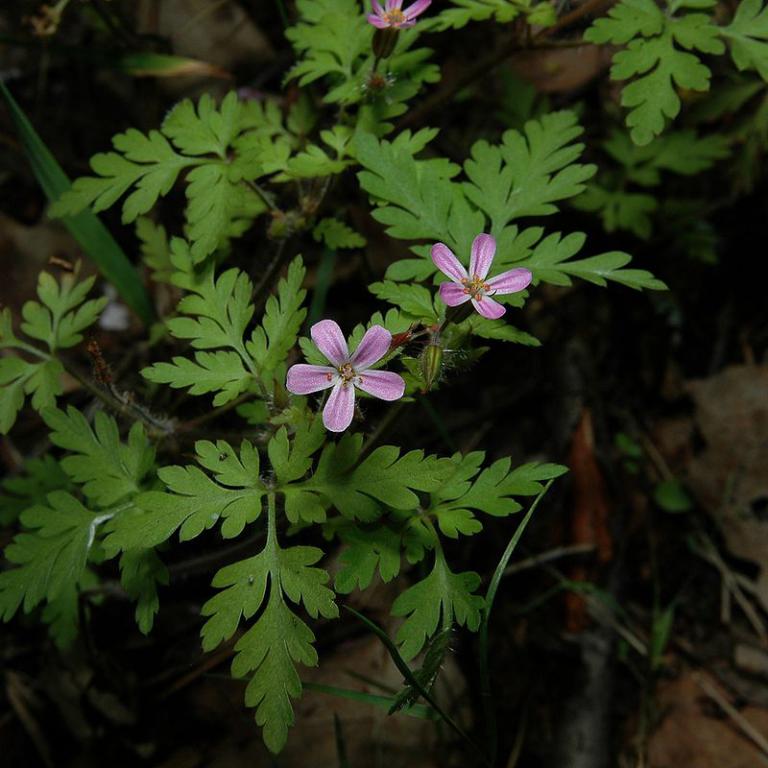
(373, 346)
(385, 385)
(447, 263)
(376, 7)
(394, 5)
(330, 341)
(512, 281)
(377, 21)
(340, 408)
(489, 308)
(304, 379)
(453, 294)
(483, 251)
(416, 9)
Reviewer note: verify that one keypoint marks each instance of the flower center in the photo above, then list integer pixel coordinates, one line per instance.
(347, 373)
(475, 287)
(395, 17)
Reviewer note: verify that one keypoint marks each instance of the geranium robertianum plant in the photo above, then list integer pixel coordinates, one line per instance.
(116, 490)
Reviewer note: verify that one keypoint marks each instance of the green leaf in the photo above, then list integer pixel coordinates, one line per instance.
(442, 596)
(29, 488)
(218, 311)
(414, 301)
(141, 570)
(87, 229)
(336, 235)
(551, 262)
(367, 551)
(62, 313)
(653, 59)
(18, 379)
(155, 248)
(747, 35)
(529, 171)
(283, 315)
(200, 137)
(270, 649)
(195, 501)
(51, 556)
(108, 469)
(358, 490)
(672, 496)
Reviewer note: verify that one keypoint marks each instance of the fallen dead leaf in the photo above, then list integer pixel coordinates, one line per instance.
(695, 733)
(728, 476)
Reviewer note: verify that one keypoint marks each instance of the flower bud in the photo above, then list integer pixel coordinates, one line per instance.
(384, 41)
(431, 364)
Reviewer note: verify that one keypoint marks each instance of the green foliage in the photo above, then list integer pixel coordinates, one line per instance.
(357, 489)
(528, 172)
(217, 311)
(333, 41)
(107, 469)
(552, 261)
(141, 571)
(199, 139)
(747, 35)
(51, 557)
(276, 336)
(336, 235)
(278, 640)
(663, 53)
(462, 12)
(57, 320)
(29, 488)
(443, 596)
(682, 153)
(195, 501)
(489, 491)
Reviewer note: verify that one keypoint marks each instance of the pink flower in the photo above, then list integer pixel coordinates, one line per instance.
(476, 288)
(393, 16)
(345, 372)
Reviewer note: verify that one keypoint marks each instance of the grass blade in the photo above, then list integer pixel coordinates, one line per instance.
(490, 595)
(410, 678)
(94, 238)
(382, 702)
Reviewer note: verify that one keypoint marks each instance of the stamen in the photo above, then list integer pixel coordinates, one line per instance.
(395, 17)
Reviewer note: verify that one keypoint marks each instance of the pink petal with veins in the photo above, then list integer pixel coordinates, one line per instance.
(385, 385)
(489, 308)
(447, 263)
(377, 9)
(340, 408)
(373, 346)
(483, 251)
(330, 341)
(304, 379)
(394, 5)
(512, 281)
(416, 9)
(453, 294)
(377, 21)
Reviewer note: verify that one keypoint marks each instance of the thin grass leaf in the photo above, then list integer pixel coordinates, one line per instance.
(485, 678)
(410, 678)
(94, 238)
(150, 64)
(382, 702)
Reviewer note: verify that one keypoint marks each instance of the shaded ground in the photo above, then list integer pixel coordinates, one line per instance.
(633, 628)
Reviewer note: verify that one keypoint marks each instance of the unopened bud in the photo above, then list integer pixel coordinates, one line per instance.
(431, 364)
(384, 41)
